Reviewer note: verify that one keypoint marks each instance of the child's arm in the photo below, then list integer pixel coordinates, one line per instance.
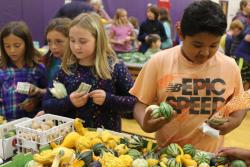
(235, 119)
(36, 91)
(142, 34)
(236, 153)
(41, 88)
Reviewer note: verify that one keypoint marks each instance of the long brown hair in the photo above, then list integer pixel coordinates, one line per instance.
(164, 15)
(21, 30)
(60, 25)
(105, 58)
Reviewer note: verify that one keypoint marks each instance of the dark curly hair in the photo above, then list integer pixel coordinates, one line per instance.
(203, 16)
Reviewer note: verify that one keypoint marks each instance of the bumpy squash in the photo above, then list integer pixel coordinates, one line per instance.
(83, 143)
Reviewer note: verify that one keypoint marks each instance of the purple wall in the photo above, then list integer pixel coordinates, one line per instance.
(36, 13)
(137, 8)
(132, 6)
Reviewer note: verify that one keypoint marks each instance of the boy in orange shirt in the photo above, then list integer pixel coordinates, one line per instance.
(194, 78)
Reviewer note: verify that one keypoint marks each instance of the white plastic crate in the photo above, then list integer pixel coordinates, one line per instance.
(33, 140)
(8, 145)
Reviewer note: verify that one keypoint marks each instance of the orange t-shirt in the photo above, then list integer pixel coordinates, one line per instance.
(195, 91)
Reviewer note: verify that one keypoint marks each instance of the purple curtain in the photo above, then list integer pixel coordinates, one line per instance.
(137, 8)
(36, 13)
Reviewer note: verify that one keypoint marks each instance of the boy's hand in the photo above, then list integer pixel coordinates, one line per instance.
(236, 153)
(29, 104)
(78, 99)
(234, 121)
(98, 96)
(151, 124)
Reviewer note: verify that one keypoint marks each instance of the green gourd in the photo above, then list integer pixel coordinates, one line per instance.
(173, 163)
(204, 164)
(172, 150)
(221, 160)
(189, 149)
(86, 156)
(164, 110)
(141, 162)
(202, 157)
(135, 154)
(238, 163)
(97, 148)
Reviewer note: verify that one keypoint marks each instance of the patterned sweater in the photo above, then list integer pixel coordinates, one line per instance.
(9, 98)
(117, 97)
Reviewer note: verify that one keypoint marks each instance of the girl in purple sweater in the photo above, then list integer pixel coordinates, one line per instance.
(89, 59)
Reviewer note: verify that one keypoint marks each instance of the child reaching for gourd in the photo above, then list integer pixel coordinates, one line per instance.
(89, 59)
(22, 79)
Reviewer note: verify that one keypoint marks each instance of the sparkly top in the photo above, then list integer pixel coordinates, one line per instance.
(117, 97)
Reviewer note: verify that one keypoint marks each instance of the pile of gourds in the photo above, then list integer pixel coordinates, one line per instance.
(95, 149)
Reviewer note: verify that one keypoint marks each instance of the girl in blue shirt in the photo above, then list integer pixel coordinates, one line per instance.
(56, 36)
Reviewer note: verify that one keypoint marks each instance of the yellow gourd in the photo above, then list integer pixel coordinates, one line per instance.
(70, 140)
(46, 157)
(149, 146)
(77, 163)
(127, 160)
(152, 162)
(188, 162)
(111, 144)
(121, 149)
(79, 127)
(83, 143)
(162, 164)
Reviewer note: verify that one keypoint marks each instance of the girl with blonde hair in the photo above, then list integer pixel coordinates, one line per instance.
(122, 32)
(89, 59)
